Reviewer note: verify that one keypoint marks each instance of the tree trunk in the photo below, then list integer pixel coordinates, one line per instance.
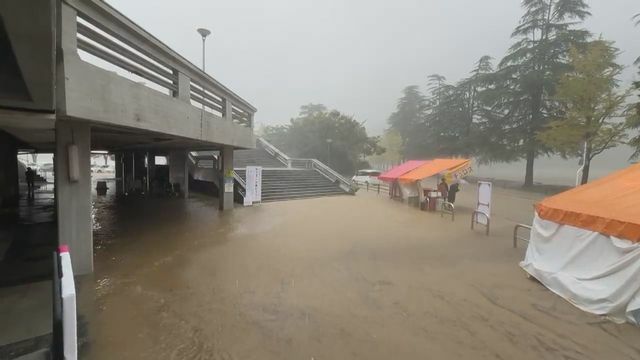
(528, 176)
(587, 165)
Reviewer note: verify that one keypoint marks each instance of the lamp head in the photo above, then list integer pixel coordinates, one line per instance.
(204, 32)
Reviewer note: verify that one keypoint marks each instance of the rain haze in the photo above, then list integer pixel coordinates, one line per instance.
(354, 56)
(336, 179)
(357, 56)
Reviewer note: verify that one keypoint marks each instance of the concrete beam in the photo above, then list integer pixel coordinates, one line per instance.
(102, 96)
(28, 54)
(73, 196)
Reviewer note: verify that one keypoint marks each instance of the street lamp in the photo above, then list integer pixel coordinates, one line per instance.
(329, 141)
(204, 33)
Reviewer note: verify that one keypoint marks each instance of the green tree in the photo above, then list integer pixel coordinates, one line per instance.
(311, 110)
(633, 115)
(391, 141)
(589, 103)
(532, 67)
(338, 140)
(408, 119)
(454, 111)
(276, 135)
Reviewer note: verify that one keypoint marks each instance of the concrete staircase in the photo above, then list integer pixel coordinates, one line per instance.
(287, 184)
(255, 157)
(306, 178)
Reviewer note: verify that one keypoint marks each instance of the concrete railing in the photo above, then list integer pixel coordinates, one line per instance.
(107, 34)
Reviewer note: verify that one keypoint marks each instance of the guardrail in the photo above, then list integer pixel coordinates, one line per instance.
(448, 208)
(381, 187)
(107, 34)
(515, 234)
(474, 220)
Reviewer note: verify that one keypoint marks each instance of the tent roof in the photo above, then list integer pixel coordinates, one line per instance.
(433, 167)
(395, 172)
(610, 205)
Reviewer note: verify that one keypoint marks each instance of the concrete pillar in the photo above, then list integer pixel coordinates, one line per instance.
(226, 181)
(9, 185)
(119, 174)
(178, 170)
(183, 85)
(73, 196)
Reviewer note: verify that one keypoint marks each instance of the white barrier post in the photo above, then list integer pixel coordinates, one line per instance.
(68, 294)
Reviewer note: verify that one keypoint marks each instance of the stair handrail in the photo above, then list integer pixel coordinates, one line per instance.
(314, 164)
(329, 173)
(243, 185)
(274, 151)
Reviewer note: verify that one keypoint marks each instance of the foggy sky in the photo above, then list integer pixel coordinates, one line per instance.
(352, 55)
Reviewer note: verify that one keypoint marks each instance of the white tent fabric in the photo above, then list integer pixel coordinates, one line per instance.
(597, 273)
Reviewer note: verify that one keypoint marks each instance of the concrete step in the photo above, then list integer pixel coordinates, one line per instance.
(300, 196)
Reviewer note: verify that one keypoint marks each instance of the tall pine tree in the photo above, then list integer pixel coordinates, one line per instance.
(531, 70)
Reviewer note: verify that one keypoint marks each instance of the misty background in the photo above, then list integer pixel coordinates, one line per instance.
(356, 56)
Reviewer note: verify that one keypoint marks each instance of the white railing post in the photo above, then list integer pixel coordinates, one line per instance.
(228, 109)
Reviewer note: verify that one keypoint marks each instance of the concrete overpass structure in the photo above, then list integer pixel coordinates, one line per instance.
(53, 100)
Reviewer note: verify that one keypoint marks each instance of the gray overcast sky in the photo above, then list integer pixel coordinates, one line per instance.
(355, 56)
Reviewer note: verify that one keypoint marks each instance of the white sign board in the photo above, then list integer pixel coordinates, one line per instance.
(68, 293)
(484, 201)
(253, 191)
(257, 186)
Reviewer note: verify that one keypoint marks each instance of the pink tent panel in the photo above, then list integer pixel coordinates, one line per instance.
(395, 172)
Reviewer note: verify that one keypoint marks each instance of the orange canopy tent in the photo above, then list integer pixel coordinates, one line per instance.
(434, 167)
(397, 171)
(610, 205)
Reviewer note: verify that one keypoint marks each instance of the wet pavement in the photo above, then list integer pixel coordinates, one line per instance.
(348, 277)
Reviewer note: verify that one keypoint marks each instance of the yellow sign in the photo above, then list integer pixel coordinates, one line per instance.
(458, 173)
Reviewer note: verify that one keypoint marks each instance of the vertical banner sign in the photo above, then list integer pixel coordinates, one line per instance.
(257, 189)
(250, 176)
(484, 201)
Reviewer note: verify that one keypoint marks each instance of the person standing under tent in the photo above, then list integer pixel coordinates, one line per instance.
(443, 188)
(453, 189)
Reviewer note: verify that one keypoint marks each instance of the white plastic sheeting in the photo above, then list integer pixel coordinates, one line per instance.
(597, 273)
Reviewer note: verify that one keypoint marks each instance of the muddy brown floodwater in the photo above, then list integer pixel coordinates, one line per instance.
(350, 277)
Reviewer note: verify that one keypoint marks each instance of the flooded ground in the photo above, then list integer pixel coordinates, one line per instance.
(345, 277)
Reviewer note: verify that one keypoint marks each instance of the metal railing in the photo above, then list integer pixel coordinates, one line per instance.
(381, 187)
(110, 36)
(516, 237)
(474, 220)
(448, 208)
(313, 164)
(275, 152)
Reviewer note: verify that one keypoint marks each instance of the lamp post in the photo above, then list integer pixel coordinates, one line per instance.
(204, 33)
(329, 141)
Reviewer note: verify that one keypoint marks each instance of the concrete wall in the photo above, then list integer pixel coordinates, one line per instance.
(27, 38)
(73, 198)
(9, 190)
